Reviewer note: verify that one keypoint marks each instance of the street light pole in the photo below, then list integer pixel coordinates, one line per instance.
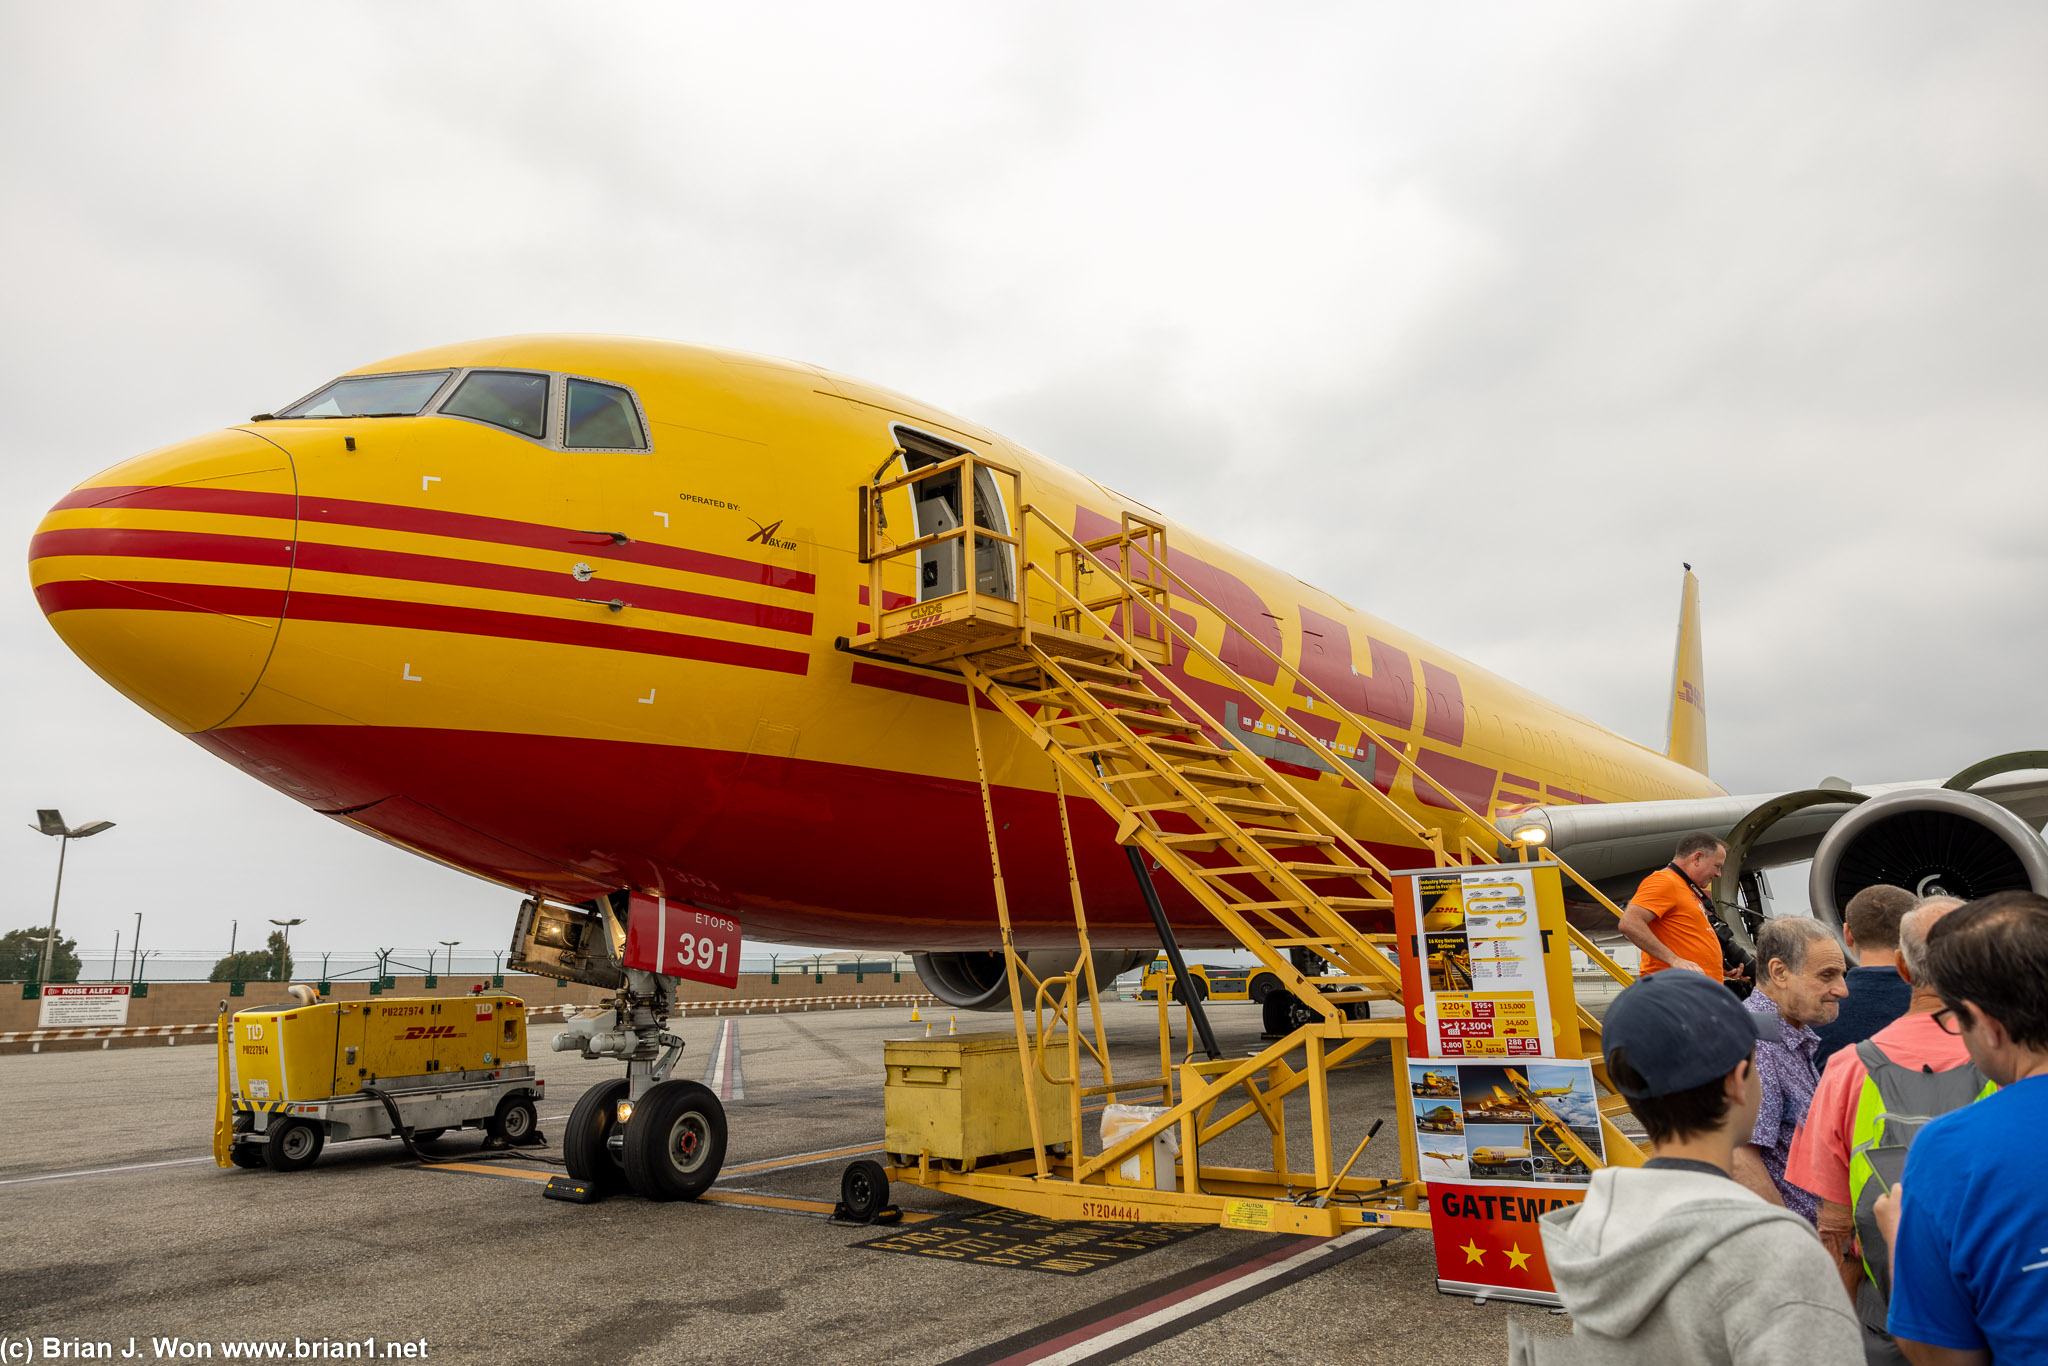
(135, 947)
(450, 944)
(51, 822)
(285, 957)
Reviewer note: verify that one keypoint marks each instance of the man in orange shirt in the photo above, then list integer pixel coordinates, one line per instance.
(1819, 1160)
(1667, 917)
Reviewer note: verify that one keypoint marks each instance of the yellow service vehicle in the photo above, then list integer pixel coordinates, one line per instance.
(292, 1077)
(1212, 982)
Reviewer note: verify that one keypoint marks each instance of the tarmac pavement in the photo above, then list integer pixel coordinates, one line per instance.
(120, 1226)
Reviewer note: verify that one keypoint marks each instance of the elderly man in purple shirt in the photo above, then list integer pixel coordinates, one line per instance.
(1801, 979)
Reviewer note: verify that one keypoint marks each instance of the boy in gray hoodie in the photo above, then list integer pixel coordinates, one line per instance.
(1674, 1261)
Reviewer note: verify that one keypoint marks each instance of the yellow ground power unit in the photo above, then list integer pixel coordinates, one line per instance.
(959, 1100)
(291, 1078)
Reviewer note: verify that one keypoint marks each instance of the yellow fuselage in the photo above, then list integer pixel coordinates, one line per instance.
(409, 623)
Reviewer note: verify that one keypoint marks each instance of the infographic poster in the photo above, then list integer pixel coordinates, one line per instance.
(1478, 944)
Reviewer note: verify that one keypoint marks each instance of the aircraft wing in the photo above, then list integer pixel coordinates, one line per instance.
(1976, 833)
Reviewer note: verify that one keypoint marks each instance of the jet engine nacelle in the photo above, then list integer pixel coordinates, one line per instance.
(1931, 841)
(977, 981)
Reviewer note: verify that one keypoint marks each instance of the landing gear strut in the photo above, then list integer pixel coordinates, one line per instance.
(660, 1138)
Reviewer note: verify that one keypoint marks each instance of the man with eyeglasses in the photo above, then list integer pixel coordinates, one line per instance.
(1968, 1224)
(1849, 1119)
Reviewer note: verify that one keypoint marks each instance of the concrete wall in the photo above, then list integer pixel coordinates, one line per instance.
(177, 1003)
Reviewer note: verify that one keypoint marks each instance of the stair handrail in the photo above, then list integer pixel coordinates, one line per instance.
(1385, 801)
(1362, 855)
(1309, 686)
(1353, 845)
(1410, 823)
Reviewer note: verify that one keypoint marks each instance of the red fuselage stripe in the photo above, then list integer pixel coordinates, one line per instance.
(85, 594)
(398, 564)
(593, 542)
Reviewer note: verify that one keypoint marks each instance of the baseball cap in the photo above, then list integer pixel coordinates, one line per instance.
(1681, 1030)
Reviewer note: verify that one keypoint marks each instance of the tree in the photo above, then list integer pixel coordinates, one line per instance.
(272, 963)
(21, 957)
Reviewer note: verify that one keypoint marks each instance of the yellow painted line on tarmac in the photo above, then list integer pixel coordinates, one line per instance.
(802, 1159)
(485, 1169)
(787, 1204)
(793, 1206)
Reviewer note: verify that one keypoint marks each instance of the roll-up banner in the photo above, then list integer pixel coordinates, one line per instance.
(1501, 1106)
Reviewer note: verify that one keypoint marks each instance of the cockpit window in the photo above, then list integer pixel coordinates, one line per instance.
(602, 417)
(372, 396)
(504, 398)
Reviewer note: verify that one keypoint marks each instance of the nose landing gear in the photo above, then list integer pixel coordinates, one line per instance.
(659, 1138)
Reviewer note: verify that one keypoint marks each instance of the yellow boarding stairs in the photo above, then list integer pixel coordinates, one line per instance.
(1274, 870)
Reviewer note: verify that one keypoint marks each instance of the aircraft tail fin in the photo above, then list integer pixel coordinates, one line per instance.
(1688, 725)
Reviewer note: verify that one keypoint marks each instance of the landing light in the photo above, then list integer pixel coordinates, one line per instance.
(1530, 834)
(625, 1111)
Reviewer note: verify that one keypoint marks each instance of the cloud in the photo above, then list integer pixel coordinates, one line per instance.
(1482, 319)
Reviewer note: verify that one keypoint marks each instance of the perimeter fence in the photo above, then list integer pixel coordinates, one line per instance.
(382, 967)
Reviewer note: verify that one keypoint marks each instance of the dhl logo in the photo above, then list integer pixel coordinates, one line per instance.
(1688, 691)
(430, 1032)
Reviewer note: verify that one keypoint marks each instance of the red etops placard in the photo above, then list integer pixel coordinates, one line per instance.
(1487, 1241)
(681, 941)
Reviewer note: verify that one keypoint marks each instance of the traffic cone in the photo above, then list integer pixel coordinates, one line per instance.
(914, 1016)
(927, 1029)
(952, 1024)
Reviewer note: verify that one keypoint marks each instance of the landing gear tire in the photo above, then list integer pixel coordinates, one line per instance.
(515, 1121)
(586, 1149)
(294, 1145)
(1284, 1012)
(863, 1191)
(247, 1156)
(675, 1141)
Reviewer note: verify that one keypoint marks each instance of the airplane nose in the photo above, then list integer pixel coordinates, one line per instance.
(167, 574)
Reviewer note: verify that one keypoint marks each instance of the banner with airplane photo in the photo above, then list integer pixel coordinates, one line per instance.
(1501, 1144)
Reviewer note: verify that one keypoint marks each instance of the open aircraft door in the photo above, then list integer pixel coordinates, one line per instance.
(936, 508)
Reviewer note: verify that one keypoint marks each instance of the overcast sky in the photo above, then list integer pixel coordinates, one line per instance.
(1483, 317)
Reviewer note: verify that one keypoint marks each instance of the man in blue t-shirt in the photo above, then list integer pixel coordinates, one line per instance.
(1969, 1220)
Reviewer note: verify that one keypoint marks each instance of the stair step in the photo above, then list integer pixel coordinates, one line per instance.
(1323, 870)
(1286, 839)
(1101, 689)
(1221, 775)
(1265, 905)
(1226, 872)
(1247, 804)
(1357, 903)
(1108, 671)
(1191, 749)
(1057, 694)
(1136, 719)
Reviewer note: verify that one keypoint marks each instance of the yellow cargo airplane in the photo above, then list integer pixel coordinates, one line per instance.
(572, 614)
